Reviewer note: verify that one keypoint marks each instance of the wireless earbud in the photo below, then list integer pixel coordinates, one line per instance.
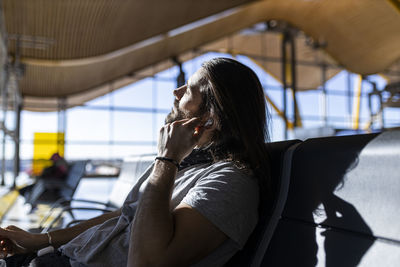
(209, 122)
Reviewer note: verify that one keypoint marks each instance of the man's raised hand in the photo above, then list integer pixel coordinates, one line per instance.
(176, 140)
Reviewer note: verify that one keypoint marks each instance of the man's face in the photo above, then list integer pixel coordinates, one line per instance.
(188, 99)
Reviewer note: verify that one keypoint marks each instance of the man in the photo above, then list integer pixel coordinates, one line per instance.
(198, 216)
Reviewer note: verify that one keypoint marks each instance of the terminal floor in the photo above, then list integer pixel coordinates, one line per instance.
(89, 188)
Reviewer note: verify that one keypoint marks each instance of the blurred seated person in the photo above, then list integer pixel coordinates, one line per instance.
(58, 170)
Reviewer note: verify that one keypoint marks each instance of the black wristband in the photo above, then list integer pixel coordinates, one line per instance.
(168, 159)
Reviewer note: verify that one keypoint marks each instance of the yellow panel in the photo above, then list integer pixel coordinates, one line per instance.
(44, 146)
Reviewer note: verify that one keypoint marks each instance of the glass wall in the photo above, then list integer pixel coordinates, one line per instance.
(126, 121)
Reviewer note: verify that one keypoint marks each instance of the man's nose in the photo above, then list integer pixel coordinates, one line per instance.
(178, 92)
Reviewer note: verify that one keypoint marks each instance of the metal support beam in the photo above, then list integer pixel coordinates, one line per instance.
(379, 114)
(4, 96)
(382, 111)
(284, 82)
(154, 94)
(17, 73)
(61, 116)
(18, 109)
(3, 90)
(293, 64)
(324, 96)
(61, 123)
(180, 79)
(371, 112)
(289, 78)
(349, 95)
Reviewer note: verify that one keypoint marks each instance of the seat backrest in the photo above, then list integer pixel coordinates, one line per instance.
(343, 204)
(131, 170)
(253, 251)
(75, 174)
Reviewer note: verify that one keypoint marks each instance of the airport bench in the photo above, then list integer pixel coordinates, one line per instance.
(131, 170)
(338, 205)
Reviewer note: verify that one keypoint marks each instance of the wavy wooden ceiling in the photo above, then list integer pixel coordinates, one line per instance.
(76, 48)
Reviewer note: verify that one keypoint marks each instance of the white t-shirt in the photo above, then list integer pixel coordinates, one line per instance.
(225, 195)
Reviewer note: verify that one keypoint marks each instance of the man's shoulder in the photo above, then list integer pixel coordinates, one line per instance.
(226, 171)
(230, 167)
(228, 197)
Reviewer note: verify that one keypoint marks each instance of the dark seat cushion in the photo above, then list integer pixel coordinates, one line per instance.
(343, 203)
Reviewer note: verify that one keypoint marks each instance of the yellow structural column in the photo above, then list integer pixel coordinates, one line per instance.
(357, 103)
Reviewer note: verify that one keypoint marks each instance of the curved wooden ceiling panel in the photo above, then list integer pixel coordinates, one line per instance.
(85, 28)
(74, 47)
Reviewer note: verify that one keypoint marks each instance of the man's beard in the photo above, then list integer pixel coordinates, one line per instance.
(175, 114)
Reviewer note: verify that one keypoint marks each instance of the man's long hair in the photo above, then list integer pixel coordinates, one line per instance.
(233, 95)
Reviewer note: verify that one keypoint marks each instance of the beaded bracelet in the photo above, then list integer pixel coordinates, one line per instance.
(169, 160)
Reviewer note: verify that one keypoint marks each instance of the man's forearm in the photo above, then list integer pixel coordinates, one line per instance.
(153, 227)
(63, 236)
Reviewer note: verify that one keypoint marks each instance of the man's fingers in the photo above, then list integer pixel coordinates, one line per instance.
(13, 228)
(6, 236)
(8, 232)
(6, 248)
(192, 123)
(4, 233)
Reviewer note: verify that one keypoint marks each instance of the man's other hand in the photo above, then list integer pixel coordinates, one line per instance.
(14, 240)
